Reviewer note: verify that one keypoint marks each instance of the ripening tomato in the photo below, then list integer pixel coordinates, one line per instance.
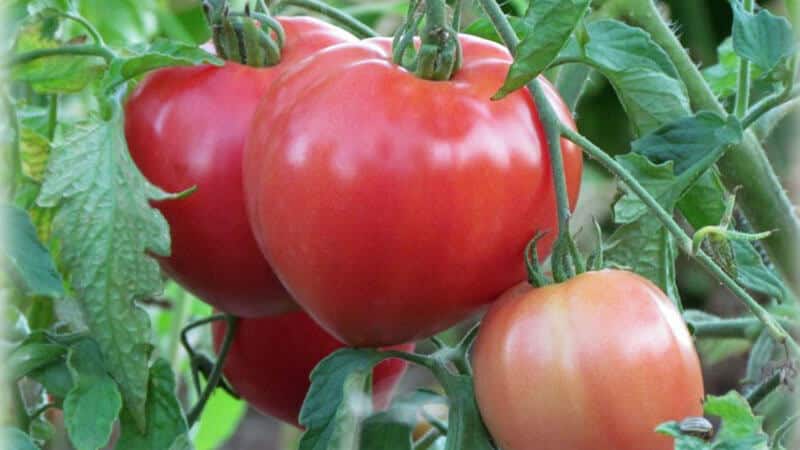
(271, 358)
(390, 206)
(186, 127)
(595, 363)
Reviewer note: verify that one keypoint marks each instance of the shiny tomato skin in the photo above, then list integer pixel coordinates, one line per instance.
(393, 207)
(185, 127)
(271, 359)
(595, 363)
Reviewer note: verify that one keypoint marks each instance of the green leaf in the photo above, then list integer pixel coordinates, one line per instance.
(220, 418)
(335, 403)
(465, 427)
(647, 248)
(15, 439)
(687, 141)
(106, 225)
(165, 53)
(28, 260)
(763, 39)
(91, 407)
(34, 151)
(753, 274)
(391, 429)
(54, 74)
(640, 71)
(704, 203)
(761, 354)
(31, 356)
(55, 377)
(740, 429)
(682, 441)
(483, 28)
(166, 424)
(548, 25)
(659, 180)
(142, 58)
(723, 77)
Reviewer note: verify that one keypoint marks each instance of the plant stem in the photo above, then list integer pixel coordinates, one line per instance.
(355, 25)
(426, 441)
(216, 373)
(549, 120)
(765, 125)
(683, 241)
(764, 200)
(96, 37)
(743, 79)
(768, 104)
(16, 157)
(740, 327)
(52, 117)
(87, 50)
(763, 389)
(179, 316)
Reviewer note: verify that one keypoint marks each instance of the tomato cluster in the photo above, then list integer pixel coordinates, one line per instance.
(389, 208)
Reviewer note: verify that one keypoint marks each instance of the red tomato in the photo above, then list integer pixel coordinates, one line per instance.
(186, 127)
(393, 207)
(271, 359)
(595, 363)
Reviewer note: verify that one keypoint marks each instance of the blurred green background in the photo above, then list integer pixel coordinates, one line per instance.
(701, 24)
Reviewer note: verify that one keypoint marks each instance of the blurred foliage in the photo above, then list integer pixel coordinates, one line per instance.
(703, 24)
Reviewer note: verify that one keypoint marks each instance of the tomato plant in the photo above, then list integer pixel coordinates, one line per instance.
(561, 365)
(159, 159)
(271, 359)
(185, 127)
(463, 196)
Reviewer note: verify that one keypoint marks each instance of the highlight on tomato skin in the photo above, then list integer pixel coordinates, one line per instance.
(185, 127)
(271, 359)
(394, 207)
(594, 363)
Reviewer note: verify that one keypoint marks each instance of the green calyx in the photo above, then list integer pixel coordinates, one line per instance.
(245, 37)
(439, 56)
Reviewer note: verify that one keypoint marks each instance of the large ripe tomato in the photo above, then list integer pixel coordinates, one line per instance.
(186, 127)
(393, 207)
(595, 363)
(271, 358)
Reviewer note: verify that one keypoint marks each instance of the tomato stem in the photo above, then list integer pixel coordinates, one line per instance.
(769, 103)
(359, 28)
(96, 37)
(740, 327)
(551, 124)
(16, 158)
(760, 391)
(237, 38)
(181, 305)
(52, 117)
(84, 49)
(216, 373)
(743, 79)
(427, 440)
(536, 276)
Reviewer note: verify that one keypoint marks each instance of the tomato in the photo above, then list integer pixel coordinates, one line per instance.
(595, 363)
(271, 358)
(185, 127)
(393, 207)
